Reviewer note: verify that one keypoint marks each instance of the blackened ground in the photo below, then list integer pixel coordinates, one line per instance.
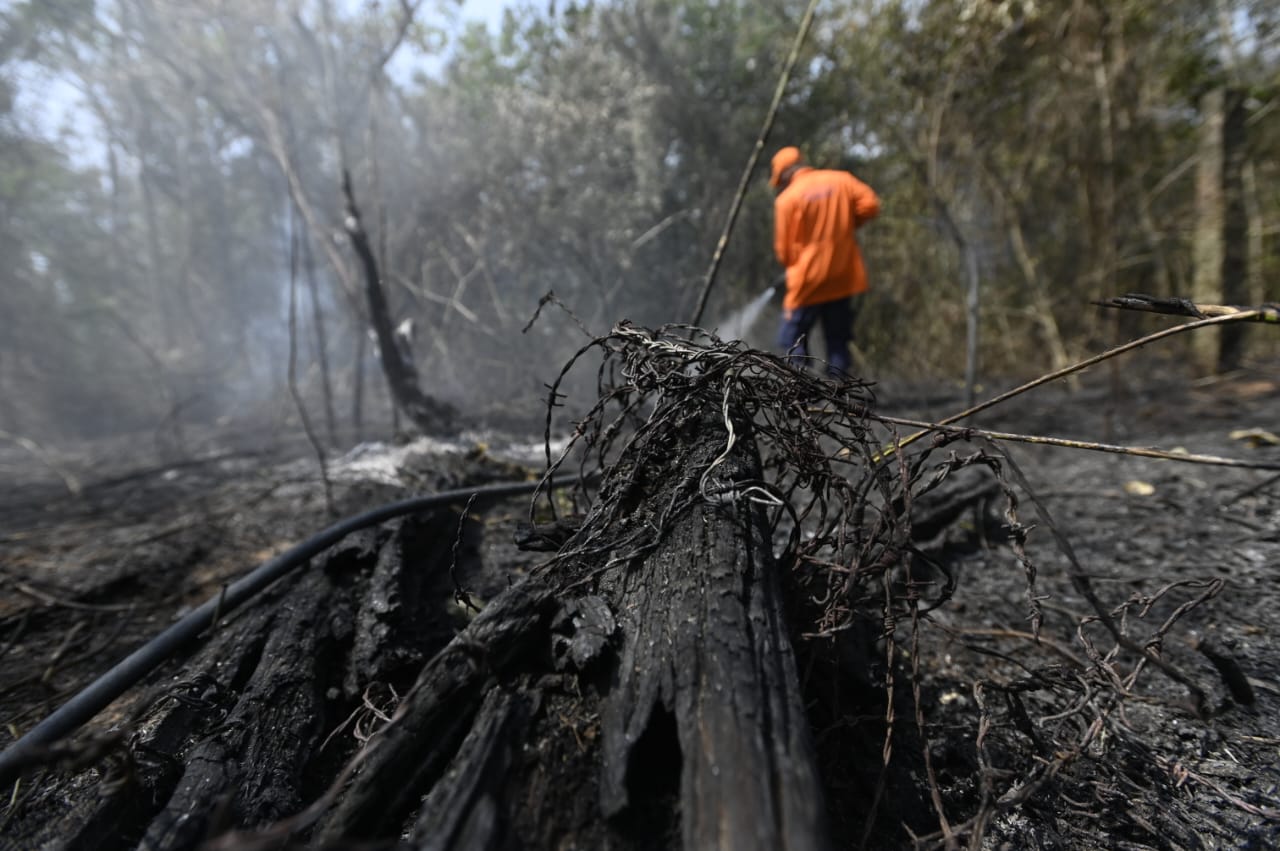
(1155, 535)
(90, 578)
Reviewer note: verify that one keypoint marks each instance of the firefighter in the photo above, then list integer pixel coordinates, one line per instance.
(816, 214)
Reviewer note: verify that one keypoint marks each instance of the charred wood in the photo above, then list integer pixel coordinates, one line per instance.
(427, 413)
(638, 690)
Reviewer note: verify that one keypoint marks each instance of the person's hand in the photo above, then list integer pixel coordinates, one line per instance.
(779, 287)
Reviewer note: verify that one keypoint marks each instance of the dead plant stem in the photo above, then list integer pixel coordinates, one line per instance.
(1144, 452)
(1243, 316)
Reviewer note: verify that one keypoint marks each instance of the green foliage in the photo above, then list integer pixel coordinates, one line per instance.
(589, 148)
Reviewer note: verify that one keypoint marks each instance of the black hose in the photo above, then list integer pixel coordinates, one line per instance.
(99, 694)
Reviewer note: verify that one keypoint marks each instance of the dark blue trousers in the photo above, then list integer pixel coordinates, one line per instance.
(837, 330)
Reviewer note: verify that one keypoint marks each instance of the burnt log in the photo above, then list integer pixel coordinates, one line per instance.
(235, 736)
(705, 643)
(634, 694)
(655, 704)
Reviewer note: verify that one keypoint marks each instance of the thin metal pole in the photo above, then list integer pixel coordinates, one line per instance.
(745, 182)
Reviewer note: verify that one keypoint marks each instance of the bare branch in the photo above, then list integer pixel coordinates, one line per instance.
(1178, 306)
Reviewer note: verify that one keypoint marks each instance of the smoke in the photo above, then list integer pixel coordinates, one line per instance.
(154, 281)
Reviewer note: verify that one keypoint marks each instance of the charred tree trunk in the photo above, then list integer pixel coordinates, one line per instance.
(427, 413)
(707, 699)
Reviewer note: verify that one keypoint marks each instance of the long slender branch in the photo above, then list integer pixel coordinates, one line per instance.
(805, 23)
(293, 365)
(1175, 306)
(1255, 315)
(1140, 451)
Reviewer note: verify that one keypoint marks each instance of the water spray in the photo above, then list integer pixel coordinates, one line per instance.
(741, 321)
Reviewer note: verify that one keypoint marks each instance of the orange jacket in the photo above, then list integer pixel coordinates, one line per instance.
(814, 222)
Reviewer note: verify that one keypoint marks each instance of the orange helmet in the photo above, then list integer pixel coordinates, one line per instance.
(783, 160)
